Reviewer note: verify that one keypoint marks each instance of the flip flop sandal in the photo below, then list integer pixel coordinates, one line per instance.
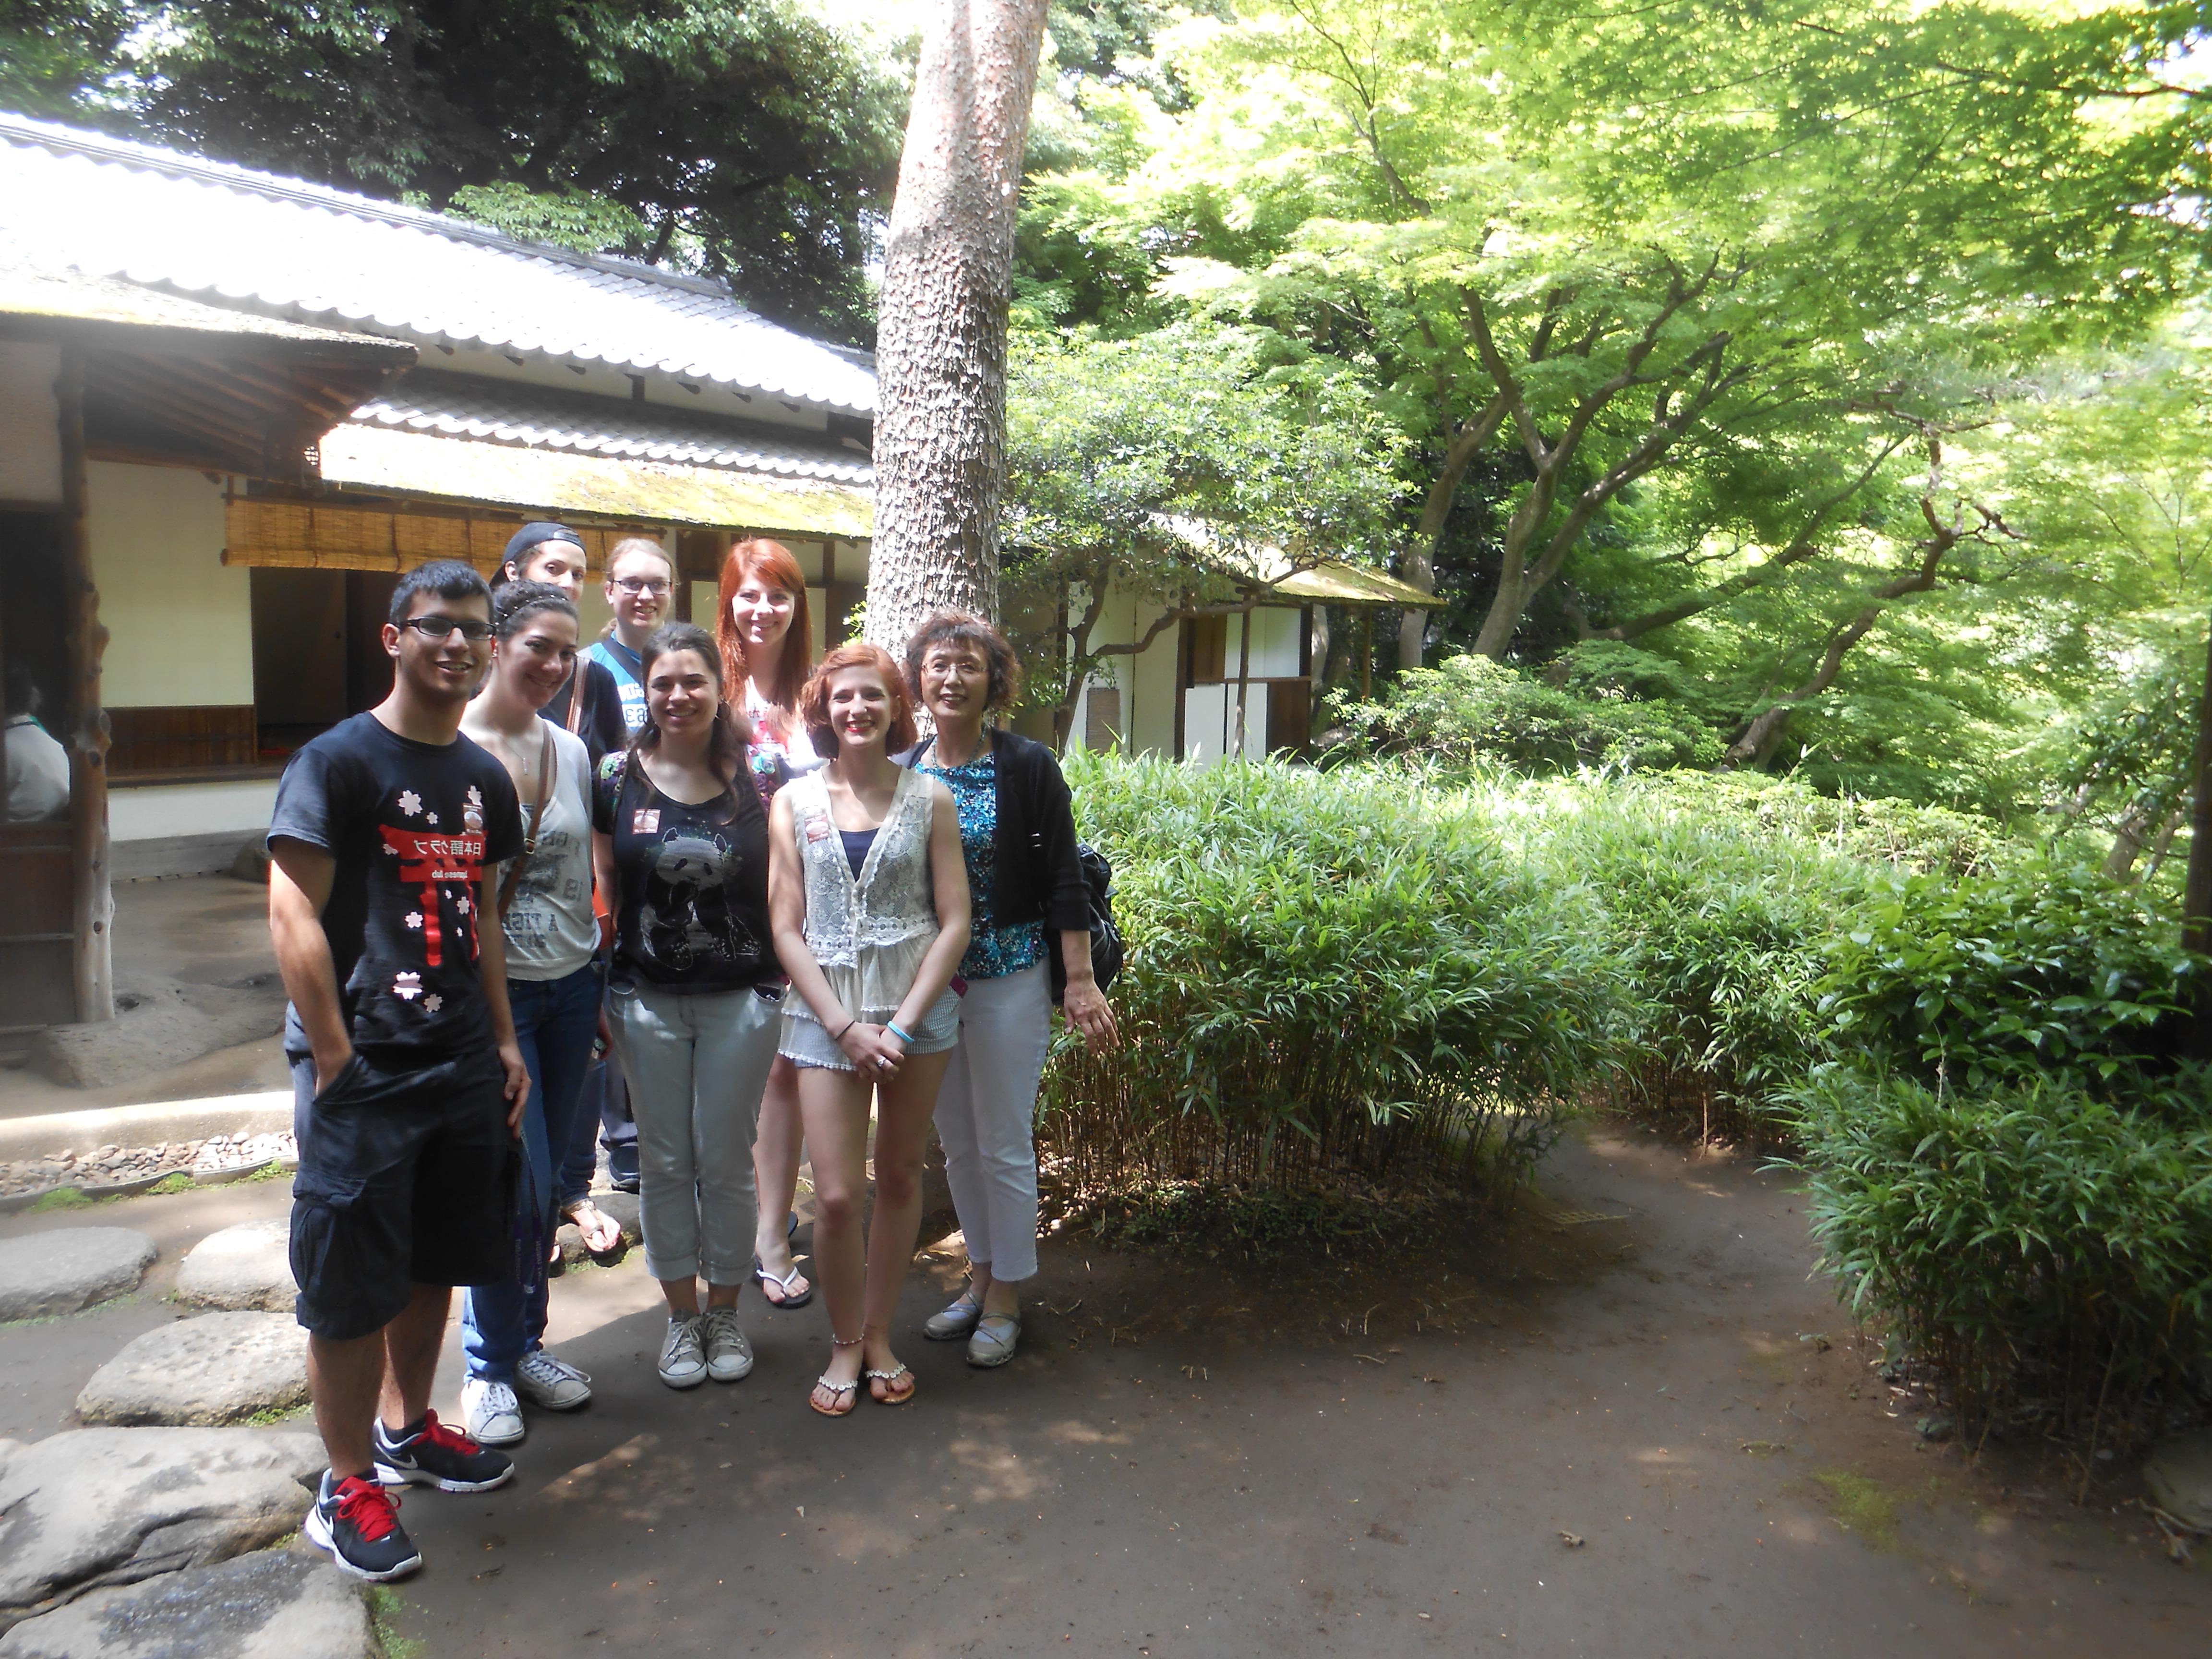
(763, 1278)
(838, 1388)
(890, 1376)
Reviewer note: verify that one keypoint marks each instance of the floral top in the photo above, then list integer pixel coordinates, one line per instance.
(994, 951)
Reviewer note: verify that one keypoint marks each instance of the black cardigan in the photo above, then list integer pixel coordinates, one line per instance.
(1038, 878)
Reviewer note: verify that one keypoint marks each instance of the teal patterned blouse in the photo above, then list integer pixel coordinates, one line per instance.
(994, 951)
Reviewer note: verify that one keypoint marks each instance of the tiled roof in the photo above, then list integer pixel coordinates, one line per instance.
(256, 242)
(460, 406)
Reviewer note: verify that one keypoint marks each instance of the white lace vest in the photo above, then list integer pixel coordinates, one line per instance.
(869, 935)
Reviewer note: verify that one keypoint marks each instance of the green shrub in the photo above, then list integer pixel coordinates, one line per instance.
(1330, 977)
(2042, 967)
(1469, 710)
(2044, 1247)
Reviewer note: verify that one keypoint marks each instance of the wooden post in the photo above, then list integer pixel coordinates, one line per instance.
(2197, 888)
(1367, 653)
(91, 957)
(1243, 676)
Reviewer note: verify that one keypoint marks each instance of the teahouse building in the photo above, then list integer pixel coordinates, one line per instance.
(236, 405)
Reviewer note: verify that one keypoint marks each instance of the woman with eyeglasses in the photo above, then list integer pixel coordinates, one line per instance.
(870, 903)
(762, 628)
(552, 987)
(680, 840)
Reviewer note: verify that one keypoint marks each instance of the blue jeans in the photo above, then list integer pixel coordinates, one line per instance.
(554, 1023)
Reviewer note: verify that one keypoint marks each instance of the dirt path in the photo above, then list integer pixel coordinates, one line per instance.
(1185, 1464)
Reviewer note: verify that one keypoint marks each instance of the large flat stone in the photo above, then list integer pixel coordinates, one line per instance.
(69, 1268)
(273, 1604)
(90, 1508)
(246, 1266)
(2179, 1476)
(219, 1368)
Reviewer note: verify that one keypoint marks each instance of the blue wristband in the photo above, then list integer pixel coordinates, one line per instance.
(904, 1037)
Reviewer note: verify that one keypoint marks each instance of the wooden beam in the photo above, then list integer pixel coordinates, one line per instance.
(92, 908)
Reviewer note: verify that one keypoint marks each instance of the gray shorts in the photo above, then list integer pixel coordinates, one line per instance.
(807, 1045)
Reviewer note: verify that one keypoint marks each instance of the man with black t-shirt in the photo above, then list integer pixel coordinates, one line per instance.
(407, 1083)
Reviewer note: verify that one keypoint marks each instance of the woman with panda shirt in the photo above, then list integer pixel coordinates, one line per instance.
(694, 999)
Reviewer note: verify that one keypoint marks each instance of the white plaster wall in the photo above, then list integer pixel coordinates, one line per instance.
(157, 812)
(180, 622)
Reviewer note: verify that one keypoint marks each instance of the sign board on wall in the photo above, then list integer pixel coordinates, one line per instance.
(30, 424)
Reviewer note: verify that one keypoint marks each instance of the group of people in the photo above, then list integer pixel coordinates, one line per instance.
(746, 875)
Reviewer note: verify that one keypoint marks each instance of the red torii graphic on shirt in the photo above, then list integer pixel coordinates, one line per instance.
(428, 860)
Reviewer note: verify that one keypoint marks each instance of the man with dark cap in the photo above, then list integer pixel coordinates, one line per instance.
(553, 553)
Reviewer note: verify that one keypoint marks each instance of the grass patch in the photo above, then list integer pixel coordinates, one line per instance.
(62, 1198)
(274, 1170)
(177, 1181)
(386, 1606)
(1860, 1506)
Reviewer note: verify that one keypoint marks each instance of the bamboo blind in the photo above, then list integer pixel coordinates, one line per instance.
(304, 536)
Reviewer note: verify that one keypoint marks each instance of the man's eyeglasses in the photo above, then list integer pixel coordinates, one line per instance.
(442, 628)
(634, 587)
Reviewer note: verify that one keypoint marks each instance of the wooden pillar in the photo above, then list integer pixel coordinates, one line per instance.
(92, 970)
(2197, 888)
(1367, 653)
(1243, 677)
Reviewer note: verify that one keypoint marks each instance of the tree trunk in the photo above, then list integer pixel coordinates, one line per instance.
(2196, 887)
(1418, 568)
(940, 461)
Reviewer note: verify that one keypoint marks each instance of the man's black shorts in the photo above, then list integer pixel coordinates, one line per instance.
(405, 1178)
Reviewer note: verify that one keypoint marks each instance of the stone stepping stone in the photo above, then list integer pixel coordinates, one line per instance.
(219, 1368)
(69, 1268)
(273, 1604)
(2179, 1476)
(246, 1266)
(90, 1508)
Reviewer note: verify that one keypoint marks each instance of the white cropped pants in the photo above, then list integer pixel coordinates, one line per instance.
(985, 1117)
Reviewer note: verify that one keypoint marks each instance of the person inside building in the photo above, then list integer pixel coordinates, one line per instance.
(761, 626)
(680, 840)
(553, 990)
(1027, 891)
(870, 900)
(38, 764)
(409, 1086)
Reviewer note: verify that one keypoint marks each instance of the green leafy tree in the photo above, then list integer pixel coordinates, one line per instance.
(1175, 472)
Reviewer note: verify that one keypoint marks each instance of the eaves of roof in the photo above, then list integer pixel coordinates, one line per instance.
(499, 411)
(254, 242)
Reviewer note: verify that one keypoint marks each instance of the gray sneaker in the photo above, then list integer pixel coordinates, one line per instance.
(683, 1357)
(952, 1322)
(729, 1356)
(553, 1384)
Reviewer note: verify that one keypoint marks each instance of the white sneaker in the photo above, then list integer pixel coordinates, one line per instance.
(683, 1360)
(494, 1416)
(553, 1384)
(729, 1356)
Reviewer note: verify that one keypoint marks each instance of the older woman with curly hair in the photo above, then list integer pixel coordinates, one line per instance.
(1027, 898)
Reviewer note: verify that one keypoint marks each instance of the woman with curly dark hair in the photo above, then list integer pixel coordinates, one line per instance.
(1028, 899)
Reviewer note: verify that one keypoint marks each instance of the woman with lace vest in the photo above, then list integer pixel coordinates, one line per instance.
(868, 901)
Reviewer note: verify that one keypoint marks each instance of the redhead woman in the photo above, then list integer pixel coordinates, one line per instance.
(763, 629)
(869, 900)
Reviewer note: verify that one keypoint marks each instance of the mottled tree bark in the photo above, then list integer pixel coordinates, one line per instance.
(941, 343)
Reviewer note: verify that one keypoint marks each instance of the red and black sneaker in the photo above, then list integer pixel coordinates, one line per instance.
(358, 1523)
(436, 1456)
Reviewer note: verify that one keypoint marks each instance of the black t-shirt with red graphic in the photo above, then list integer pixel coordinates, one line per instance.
(412, 826)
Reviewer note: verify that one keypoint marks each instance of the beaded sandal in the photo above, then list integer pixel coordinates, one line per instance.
(837, 1390)
(887, 1378)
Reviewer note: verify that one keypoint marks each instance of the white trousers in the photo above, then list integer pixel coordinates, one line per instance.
(986, 1118)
